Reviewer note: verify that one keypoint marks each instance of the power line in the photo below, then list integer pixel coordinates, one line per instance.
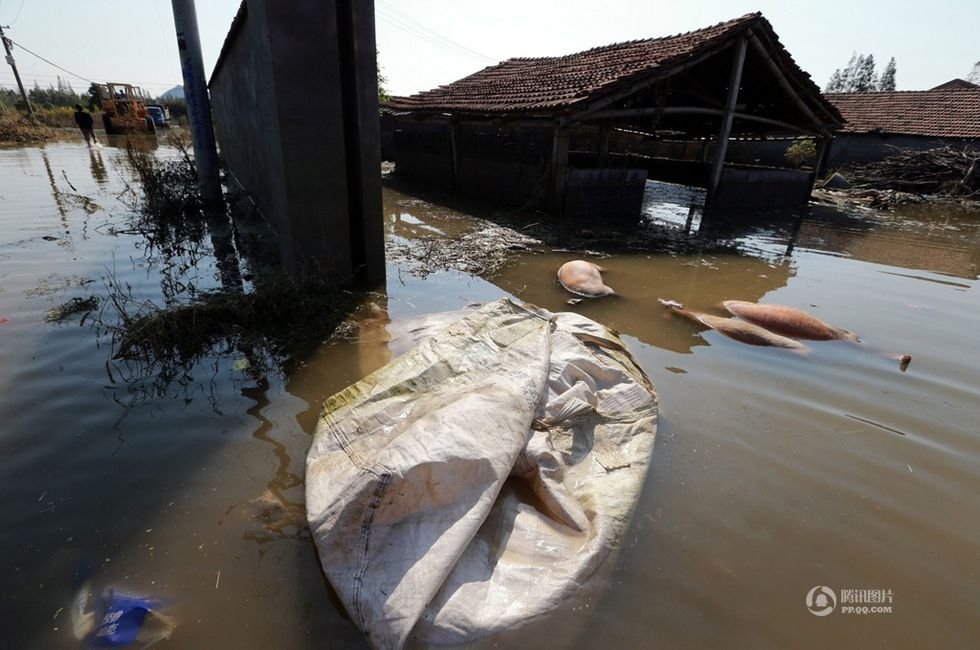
(49, 62)
(18, 12)
(408, 24)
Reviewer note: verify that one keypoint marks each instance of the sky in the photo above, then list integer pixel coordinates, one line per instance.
(426, 43)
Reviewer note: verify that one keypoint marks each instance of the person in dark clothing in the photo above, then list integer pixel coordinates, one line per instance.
(84, 121)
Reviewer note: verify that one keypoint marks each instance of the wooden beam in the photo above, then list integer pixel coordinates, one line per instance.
(604, 130)
(559, 169)
(786, 86)
(735, 80)
(693, 110)
(644, 83)
(823, 146)
(452, 144)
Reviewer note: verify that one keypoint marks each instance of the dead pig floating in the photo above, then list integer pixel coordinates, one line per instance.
(788, 321)
(773, 325)
(584, 279)
(734, 328)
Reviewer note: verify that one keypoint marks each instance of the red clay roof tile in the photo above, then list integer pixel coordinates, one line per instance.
(950, 113)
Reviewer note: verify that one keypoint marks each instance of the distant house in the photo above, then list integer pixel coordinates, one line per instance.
(953, 84)
(579, 134)
(177, 92)
(909, 119)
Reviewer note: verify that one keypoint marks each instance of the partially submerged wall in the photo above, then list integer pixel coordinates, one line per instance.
(294, 95)
(874, 147)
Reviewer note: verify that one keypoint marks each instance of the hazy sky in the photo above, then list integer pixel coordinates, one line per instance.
(425, 43)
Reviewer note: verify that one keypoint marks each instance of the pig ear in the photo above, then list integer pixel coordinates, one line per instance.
(600, 269)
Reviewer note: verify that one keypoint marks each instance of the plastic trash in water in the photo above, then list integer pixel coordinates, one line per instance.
(119, 619)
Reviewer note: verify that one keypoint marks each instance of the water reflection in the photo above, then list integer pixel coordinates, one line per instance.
(99, 174)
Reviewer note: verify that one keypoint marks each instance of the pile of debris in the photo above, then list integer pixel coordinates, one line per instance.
(16, 129)
(481, 251)
(943, 171)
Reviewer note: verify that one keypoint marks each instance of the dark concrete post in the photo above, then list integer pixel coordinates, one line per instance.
(198, 104)
(738, 62)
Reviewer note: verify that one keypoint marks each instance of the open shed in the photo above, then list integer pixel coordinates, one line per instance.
(579, 134)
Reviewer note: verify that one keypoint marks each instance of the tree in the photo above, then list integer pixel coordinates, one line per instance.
(842, 79)
(865, 79)
(383, 95)
(94, 97)
(860, 76)
(974, 77)
(887, 81)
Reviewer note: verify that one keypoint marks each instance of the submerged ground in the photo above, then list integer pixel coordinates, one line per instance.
(773, 472)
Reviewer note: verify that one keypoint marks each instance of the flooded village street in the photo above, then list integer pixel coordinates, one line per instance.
(773, 472)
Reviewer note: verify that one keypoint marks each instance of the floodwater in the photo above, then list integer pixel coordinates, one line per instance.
(774, 472)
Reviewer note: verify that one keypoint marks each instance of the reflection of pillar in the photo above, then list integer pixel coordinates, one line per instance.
(225, 253)
(793, 236)
(59, 200)
(372, 337)
(738, 62)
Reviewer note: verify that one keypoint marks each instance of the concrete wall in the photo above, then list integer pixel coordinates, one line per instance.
(762, 187)
(604, 193)
(873, 147)
(295, 107)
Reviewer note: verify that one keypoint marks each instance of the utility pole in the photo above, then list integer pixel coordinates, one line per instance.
(198, 103)
(20, 84)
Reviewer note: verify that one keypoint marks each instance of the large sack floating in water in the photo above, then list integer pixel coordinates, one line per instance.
(583, 279)
(480, 482)
(787, 321)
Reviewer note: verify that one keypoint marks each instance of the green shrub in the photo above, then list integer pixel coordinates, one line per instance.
(801, 152)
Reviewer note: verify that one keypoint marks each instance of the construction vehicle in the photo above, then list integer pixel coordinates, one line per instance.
(124, 109)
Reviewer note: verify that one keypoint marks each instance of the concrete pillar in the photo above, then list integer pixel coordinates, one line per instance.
(198, 104)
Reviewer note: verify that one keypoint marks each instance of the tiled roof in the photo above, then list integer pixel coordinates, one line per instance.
(953, 113)
(553, 84)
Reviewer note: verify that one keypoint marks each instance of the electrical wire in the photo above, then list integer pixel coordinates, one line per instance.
(411, 26)
(35, 54)
(18, 13)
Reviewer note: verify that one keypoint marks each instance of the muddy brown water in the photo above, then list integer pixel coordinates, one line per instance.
(774, 472)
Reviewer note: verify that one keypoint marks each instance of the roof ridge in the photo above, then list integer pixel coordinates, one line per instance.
(874, 93)
(745, 18)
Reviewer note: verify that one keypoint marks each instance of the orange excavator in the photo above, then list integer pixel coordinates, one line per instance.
(124, 109)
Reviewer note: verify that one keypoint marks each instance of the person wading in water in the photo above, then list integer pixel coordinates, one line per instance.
(84, 121)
